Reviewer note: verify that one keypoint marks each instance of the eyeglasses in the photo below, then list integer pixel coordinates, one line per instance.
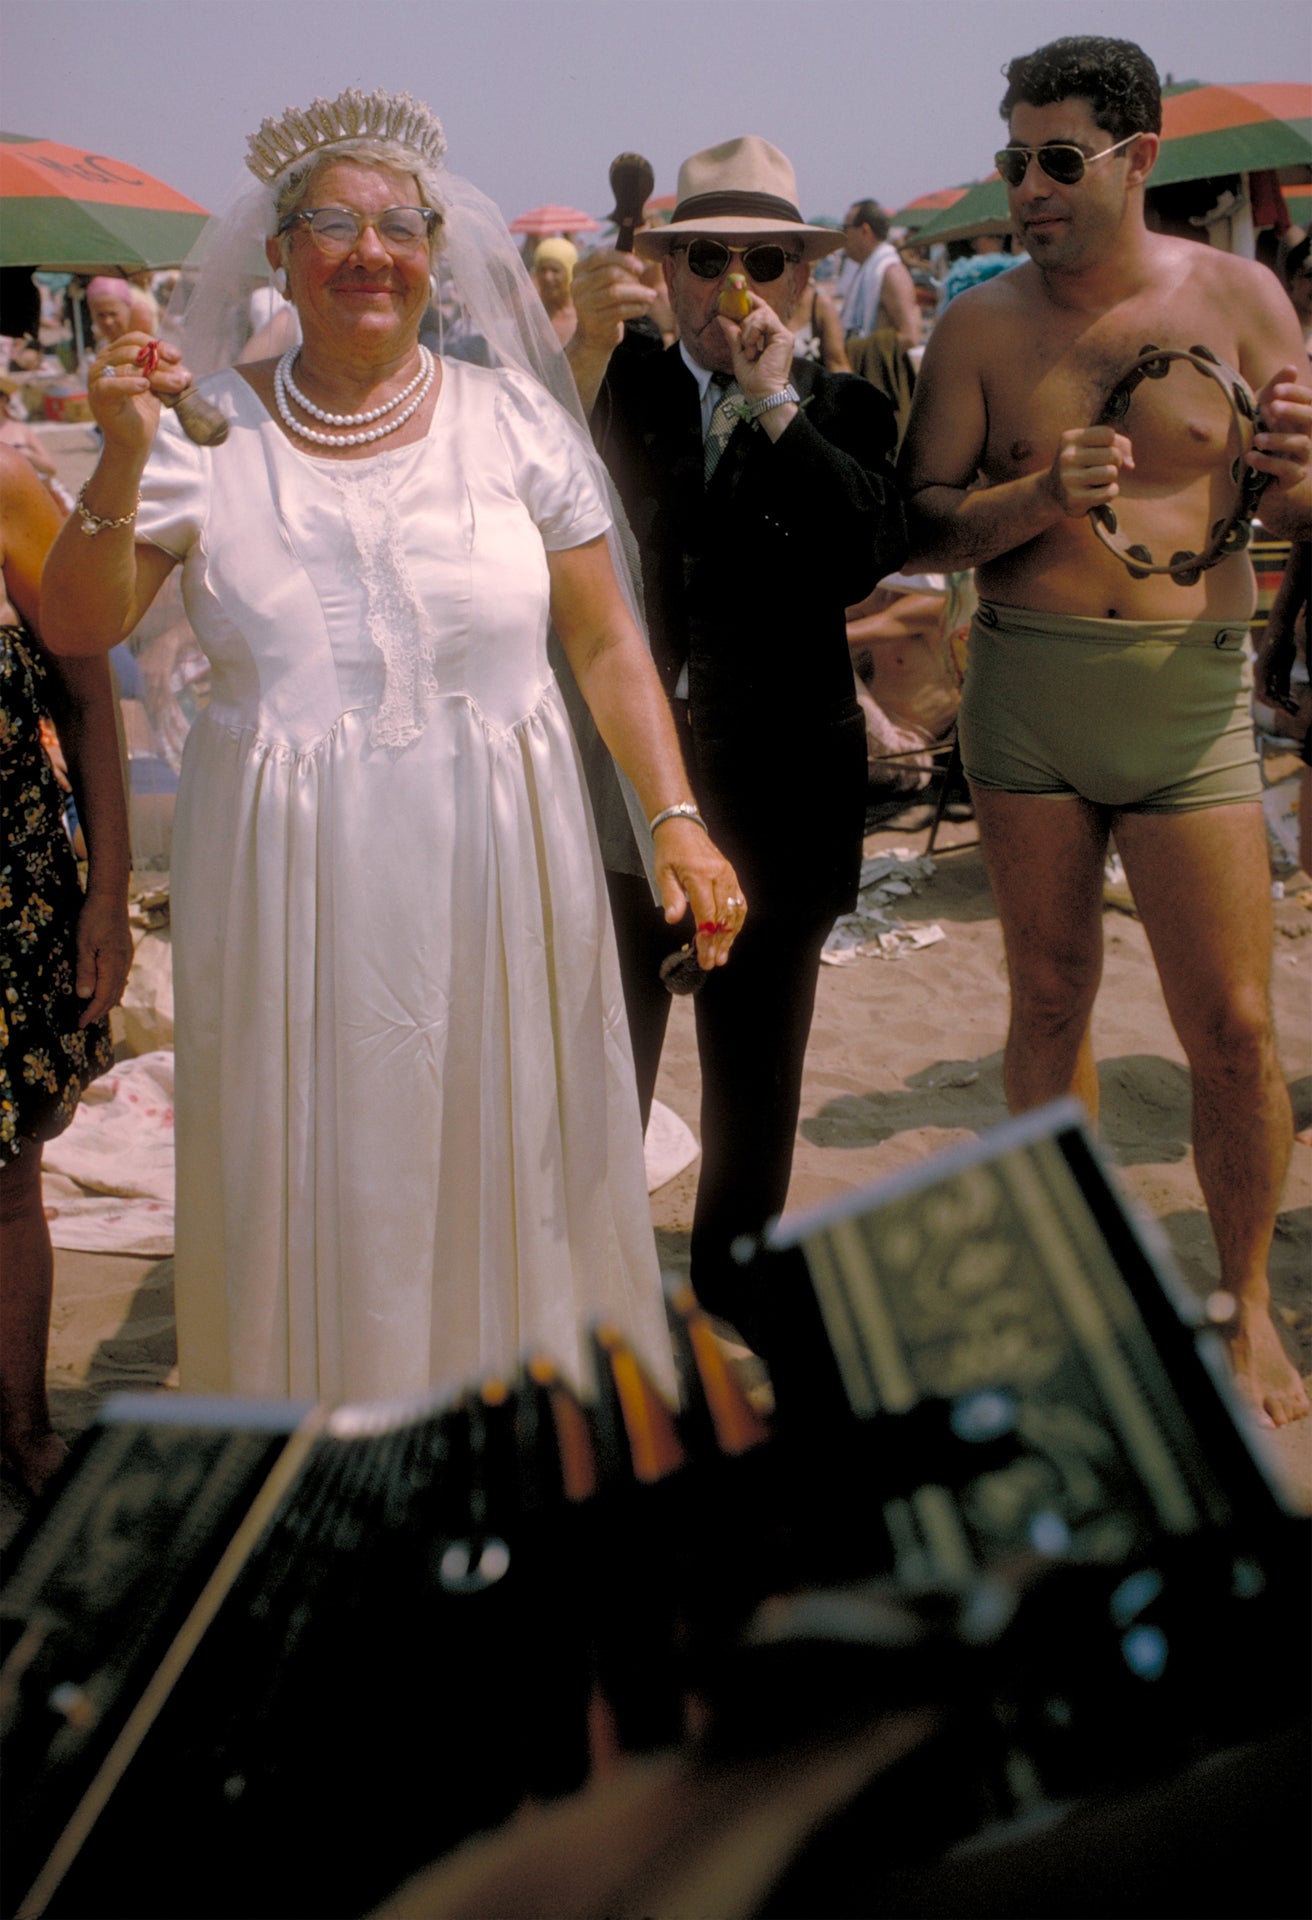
(337, 231)
(709, 258)
(1059, 159)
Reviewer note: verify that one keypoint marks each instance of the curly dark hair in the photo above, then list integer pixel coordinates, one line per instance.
(1116, 77)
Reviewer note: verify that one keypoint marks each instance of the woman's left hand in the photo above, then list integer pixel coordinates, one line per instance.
(692, 873)
(104, 955)
(125, 383)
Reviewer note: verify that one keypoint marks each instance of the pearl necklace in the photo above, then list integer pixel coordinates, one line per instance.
(283, 383)
(349, 419)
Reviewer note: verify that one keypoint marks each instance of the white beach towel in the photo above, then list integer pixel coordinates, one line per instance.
(668, 1146)
(108, 1178)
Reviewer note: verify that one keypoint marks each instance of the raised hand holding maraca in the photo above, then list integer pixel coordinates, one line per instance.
(136, 365)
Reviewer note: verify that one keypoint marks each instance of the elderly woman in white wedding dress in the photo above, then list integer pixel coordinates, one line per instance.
(408, 1137)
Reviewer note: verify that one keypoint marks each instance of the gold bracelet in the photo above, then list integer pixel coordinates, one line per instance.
(92, 523)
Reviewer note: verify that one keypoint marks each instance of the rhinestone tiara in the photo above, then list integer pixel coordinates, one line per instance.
(282, 144)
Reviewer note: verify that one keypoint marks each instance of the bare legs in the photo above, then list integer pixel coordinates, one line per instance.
(31, 1446)
(1045, 862)
(1200, 882)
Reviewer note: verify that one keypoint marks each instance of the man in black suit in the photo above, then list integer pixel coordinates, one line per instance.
(746, 573)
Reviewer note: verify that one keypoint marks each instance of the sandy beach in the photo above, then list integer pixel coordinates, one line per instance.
(905, 1060)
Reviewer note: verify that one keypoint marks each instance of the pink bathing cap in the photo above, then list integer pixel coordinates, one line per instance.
(107, 284)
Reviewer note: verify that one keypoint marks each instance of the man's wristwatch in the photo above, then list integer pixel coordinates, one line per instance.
(771, 400)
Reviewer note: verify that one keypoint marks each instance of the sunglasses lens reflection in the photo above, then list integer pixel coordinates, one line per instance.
(1065, 165)
(1061, 163)
(708, 259)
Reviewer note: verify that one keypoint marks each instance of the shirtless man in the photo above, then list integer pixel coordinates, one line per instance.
(1075, 722)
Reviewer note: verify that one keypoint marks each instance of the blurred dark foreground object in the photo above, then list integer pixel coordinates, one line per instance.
(998, 1615)
(821, 1833)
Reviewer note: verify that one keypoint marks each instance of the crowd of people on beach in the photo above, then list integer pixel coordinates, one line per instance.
(558, 616)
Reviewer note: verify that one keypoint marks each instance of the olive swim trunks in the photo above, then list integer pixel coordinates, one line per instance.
(1149, 716)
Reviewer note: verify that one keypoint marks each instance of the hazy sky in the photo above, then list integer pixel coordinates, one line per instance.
(538, 96)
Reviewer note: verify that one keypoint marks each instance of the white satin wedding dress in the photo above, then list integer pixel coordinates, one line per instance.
(408, 1138)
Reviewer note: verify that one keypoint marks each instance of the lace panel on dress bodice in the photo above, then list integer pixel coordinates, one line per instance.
(399, 624)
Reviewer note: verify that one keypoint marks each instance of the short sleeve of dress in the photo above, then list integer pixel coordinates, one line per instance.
(551, 464)
(174, 490)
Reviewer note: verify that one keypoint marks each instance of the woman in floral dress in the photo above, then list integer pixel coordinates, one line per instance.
(64, 955)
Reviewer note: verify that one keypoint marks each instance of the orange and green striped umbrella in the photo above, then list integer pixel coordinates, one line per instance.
(1206, 131)
(917, 213)
(70, 211)
(1298, 201)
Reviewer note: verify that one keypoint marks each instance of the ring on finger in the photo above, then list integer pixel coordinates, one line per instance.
(107, 373)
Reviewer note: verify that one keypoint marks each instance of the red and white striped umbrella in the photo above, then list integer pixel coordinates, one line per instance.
(553, 219)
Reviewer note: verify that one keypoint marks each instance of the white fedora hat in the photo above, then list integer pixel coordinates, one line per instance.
(743, 186)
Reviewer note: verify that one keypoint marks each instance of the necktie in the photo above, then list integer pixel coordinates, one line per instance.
(723, 422)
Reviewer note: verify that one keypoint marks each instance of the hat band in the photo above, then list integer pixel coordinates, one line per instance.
(754, 206)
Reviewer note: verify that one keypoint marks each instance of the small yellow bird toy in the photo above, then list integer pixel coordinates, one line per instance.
(734, 302)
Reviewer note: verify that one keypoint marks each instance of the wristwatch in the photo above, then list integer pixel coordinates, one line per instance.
(771, 400)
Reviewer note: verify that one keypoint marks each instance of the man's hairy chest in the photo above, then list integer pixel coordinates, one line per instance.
(1058, 373)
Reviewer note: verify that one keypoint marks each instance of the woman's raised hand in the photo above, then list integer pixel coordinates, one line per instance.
(124, 385)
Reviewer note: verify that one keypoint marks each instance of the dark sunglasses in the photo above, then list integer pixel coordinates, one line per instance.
(1060, 160)
(337, 231)
(709, 258)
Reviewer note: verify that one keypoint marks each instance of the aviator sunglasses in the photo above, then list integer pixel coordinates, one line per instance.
(707, 259)
(337, 231)
(1059, 159)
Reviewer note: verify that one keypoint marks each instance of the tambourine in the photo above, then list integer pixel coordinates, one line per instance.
(1228, 535)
